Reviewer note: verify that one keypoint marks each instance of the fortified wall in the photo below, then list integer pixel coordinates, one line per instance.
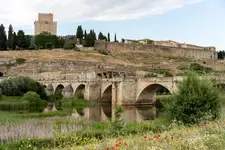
(206, 53)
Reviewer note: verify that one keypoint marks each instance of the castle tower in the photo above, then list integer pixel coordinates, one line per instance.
(45, 23)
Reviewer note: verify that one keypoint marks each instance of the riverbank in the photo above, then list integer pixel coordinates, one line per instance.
(210, 136)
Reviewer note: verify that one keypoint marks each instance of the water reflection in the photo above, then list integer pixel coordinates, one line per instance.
(106, 111)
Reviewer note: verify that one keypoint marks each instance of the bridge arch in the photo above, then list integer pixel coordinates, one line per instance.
(49, 89)
(107, 94)
(79, 91)
(68, 91)
(148, 93)
(1, 74)
(59, 90)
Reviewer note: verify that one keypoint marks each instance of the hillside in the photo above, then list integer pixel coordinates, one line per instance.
(59, 60)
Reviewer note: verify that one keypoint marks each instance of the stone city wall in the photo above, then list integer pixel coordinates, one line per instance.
(158, 50)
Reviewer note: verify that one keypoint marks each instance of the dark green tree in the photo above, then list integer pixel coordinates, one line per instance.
(221, 54)
(90, 40)
(123, 40)
(14, 41)
(10, 37)
(3, 38)
(108, 37)
(21, 41)
(79, 34)
(46, 40)
(61, 41)
(105, 38)
(85, 35)
(27, 41)
(94, 34)
(115, 40)
(101, 36)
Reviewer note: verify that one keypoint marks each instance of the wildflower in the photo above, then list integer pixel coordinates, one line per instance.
(159, 135)
(118, 144)
(125, 144)
(166, 137)
(145, 137)
(106, 148)
(154, 136)
(113, 148)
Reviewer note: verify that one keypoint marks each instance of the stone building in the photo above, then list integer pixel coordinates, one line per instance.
(45, 23)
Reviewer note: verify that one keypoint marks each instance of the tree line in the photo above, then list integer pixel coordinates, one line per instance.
(14, 40)
(19, 40)
(91, 36)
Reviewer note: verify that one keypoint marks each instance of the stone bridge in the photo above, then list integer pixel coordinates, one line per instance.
(119, 89)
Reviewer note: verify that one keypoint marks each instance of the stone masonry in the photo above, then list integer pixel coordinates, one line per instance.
(45, 23)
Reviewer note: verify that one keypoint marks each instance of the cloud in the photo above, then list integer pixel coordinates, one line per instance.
(22, 13)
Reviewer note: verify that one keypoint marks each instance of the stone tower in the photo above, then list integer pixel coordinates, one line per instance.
(45, 23)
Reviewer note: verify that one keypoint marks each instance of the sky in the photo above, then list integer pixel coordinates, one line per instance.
(199, 22)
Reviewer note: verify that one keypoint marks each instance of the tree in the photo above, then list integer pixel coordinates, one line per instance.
(196, 100)
(3, 38)
(18, 86)
(123, 40)
(14, 41)
(27, 41)
(94, 34)
(115, 40)
(46, 40)
(21, 41)
(79, 33)
(101, 36)
(221, 54)
(85, 34)
(10, 37)
(108, 37)
(90, 40)
(61, 41)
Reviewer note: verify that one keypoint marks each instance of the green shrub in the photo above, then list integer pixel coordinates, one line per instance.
(36, 104)
(117, 125)
(49, 45)
(18, 86)
(183, 67)
(69, 46)
(149, 75)
(31, 48)
(104, 52)
(200, 69)
(0, 93)
(196, 100)
(164, 72)
(20, 61)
